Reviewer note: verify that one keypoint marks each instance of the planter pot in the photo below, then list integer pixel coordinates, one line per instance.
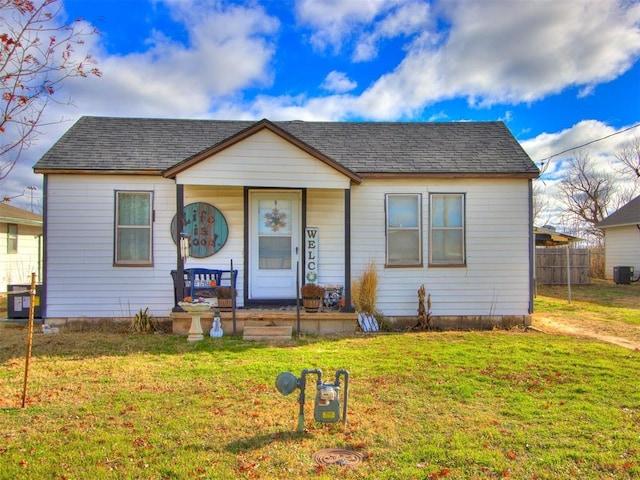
(312, 305)
(225, 303)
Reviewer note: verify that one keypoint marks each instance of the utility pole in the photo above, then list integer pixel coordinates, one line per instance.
(32, 188)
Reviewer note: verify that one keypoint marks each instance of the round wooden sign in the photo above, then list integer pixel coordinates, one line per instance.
(206, 226)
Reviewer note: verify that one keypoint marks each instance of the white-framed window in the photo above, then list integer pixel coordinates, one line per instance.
(133, 228)
(447, 229)
(403, 229)
(12, 238)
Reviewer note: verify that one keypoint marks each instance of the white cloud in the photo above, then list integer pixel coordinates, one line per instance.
(338, 82)
(229, 48)
(553, 151)
(595, 137)
(359, 26)
(522, 51)
(334, 21)
(510, 53)
(495, 52)
(404, 21)
(300, 107)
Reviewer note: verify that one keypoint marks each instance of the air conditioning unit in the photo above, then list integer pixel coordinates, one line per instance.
(622, 275)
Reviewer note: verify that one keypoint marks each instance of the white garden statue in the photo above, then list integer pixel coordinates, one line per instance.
(216, 329)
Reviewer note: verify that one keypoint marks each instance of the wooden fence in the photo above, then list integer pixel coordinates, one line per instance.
(551, 265)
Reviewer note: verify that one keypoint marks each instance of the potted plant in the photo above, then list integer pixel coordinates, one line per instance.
(225, 296)
(312, 296)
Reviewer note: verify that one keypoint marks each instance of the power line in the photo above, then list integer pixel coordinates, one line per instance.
(542, 162)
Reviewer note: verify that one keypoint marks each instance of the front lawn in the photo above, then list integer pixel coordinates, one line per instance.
(599, 301)
(421, 406)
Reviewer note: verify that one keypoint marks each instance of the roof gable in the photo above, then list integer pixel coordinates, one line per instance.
(628, 214)
(265, 159)
(253, 130)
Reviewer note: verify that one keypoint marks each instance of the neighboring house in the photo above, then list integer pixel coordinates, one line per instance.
(622, 238)
(447, 205)
(20, 246)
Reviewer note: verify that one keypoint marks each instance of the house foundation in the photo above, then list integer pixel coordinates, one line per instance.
(318, 323)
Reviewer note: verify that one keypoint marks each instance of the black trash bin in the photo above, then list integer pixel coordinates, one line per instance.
(18, 303)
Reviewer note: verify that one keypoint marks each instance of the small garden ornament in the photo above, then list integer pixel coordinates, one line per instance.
(424, 314)
(216, 329)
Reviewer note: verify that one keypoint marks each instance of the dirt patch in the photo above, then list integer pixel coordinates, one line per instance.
(616, 333)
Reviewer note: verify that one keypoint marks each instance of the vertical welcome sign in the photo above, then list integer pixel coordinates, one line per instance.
(311, 254)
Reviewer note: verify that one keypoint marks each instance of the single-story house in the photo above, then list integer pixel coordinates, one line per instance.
(447, 205)
(622, 239)
(20, 246)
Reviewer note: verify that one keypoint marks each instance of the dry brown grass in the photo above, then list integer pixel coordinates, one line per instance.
(364, 290)
(601, 292)
(601, 310)
(3, 305)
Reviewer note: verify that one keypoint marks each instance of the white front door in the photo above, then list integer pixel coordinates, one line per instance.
(274, 243)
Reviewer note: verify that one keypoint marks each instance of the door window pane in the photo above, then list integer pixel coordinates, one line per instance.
(274, 234)
(274, 217)
(274, 253)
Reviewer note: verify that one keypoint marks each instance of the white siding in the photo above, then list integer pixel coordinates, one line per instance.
(16, 268)
(325, 210)
(264, 160)
(81, 279)
(495, 280)
(622, 248)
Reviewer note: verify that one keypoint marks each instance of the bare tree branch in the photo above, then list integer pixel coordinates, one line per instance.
(629, 157)
(540, 205)
(587, 193)
(36, 57)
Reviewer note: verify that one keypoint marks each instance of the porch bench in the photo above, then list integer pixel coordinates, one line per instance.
(186, 285)
(197, 281)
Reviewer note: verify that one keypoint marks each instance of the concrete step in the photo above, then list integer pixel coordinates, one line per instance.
(267, 332)
(270, 338)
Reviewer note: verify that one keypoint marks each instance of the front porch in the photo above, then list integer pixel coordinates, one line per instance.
(319, 323)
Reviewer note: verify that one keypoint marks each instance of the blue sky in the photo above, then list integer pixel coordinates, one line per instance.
(559, 73)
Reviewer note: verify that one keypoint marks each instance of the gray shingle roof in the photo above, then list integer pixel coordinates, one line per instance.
(628, 214)
(155, 145)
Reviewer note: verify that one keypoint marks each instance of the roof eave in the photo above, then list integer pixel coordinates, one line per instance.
(90, 171)
(388, 175)
(626, 224)
(21, 221)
